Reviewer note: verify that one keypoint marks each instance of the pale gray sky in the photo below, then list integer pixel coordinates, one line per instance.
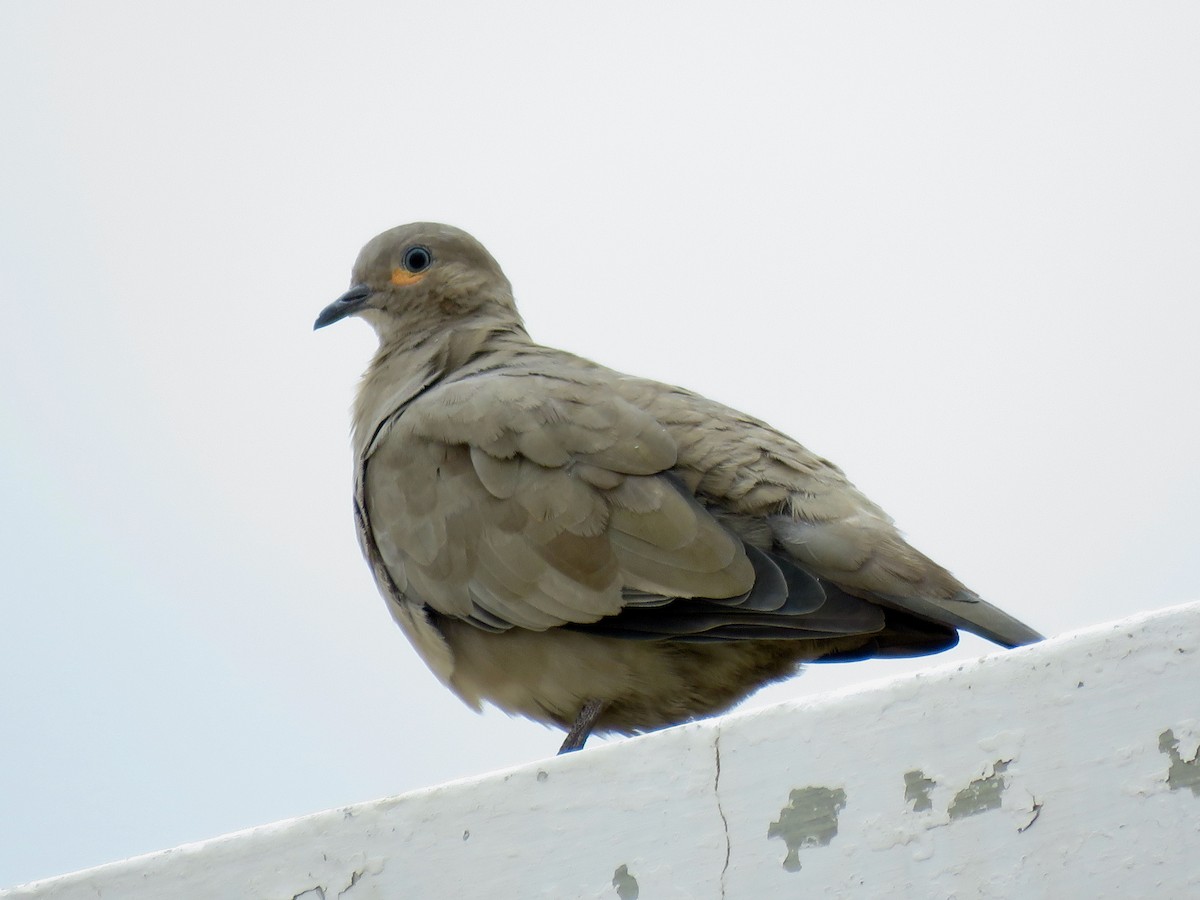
(952, 247)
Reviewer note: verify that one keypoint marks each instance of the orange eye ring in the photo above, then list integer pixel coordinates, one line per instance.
(402, 277)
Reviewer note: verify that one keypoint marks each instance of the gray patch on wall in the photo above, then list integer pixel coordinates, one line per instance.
(809, 820)
(981, 794)
(626, 884)
(917, 788)
(1184, 773)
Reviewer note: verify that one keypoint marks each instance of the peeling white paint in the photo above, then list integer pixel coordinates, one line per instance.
(625, 884)
(1065, 769)
(810, 819)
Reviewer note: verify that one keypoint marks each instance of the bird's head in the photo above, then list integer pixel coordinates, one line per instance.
(418, 277)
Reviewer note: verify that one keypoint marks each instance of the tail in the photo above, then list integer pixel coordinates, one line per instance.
(968, 612)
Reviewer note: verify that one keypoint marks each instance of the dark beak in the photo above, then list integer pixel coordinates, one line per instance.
(347, 304)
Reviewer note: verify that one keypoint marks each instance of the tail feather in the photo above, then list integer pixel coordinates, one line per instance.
(966, 610)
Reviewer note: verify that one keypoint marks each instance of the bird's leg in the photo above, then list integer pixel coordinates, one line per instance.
(584, 723)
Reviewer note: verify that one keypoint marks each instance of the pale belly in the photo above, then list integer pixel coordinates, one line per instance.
(548, 675)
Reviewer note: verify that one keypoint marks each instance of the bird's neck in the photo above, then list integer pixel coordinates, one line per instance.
(407, 364)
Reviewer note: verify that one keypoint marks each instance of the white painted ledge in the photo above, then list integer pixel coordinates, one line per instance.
(1064, 770)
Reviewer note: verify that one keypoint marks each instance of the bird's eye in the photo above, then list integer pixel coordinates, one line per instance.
(417, 259)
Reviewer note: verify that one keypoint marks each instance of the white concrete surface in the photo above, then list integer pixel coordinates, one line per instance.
(1064, 770)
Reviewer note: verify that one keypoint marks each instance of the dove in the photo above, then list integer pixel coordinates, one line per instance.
(596, 551)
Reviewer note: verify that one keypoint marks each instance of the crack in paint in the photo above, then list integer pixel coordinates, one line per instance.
(1037, 811)
(721, 809)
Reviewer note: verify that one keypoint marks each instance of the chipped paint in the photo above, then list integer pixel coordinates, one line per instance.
(626, 884)
(1183, 773)
(809, 820)
(355, 877)
(1036, 812)
(916, 790)
(981, 794)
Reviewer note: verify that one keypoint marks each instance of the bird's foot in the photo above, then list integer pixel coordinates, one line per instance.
(584, 723)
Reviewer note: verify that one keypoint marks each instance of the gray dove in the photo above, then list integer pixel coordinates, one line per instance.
(597, 551)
